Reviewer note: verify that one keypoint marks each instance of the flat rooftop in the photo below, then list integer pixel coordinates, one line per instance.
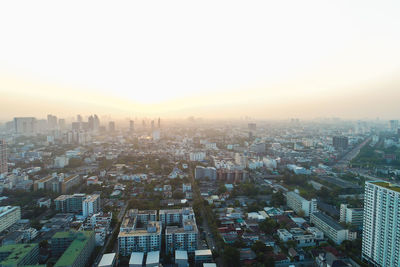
(107, 259)
(328, 220)
(387, 185)
(153, 257)
(16, 253)
(73, 251)
(136, 258)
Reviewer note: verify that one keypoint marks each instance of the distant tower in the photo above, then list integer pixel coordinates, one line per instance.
(131, 126)
(152, 125)
(143, 124)
(159, 123)
(3, 157)
(111, 126)
(78, 118)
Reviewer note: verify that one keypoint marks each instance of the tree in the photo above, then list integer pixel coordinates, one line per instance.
(278, 199)
(231, 256)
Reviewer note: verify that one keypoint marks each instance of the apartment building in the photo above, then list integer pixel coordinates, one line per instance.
(330, 227)
(300, 204)
(8, 216)
(181, 238)
(381, 235)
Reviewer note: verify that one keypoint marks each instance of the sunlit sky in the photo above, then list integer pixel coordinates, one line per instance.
(265, 59)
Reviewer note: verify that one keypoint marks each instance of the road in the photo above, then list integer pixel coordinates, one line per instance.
(344, 162)
(119, 217)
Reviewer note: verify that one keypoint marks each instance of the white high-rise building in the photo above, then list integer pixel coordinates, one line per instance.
(300, 204)
(91, 205)
(381, 227)
(8, 216)
(26, 125)
(3, 157)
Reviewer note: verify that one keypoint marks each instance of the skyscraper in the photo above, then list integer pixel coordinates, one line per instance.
(111, 126)
(159, 123)
(25, 125)
(381, 226)
(3, 157)
(51, 121)
(131, 126)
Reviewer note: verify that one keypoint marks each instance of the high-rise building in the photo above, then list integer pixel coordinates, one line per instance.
(394, 125)
(91, 205)
(25, 125)
(70, 203)
(381, 227)
(131, 126)
(78, 118)
(176, 216)
(340, 142)
(61, 123)
(203, 172)
(3, 157)
(252, 126)
(111, 126)
(51, 122)
(300, 204)
(152, 125)
(159, 123)
(8, 216)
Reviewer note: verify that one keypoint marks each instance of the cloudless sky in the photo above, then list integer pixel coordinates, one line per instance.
(266, 59)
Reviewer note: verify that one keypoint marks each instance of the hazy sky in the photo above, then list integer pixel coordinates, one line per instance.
(266, 59)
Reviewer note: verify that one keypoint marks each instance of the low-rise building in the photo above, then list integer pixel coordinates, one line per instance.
(329, 227)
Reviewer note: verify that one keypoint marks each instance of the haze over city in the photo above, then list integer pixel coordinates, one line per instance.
(214, 59)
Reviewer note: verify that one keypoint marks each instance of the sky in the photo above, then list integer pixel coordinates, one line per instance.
(216, 59)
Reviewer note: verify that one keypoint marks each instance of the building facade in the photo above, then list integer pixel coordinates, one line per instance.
(300, 204)
(381, 234)
(8, 216)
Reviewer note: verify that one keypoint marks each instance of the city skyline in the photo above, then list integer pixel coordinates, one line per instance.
(263, 60)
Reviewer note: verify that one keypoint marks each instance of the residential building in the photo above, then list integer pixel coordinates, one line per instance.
(203, 172)
(353, 216)
(8, 216)
(181, 238)
(46, 183)
(19, 255)
(330, 227)
(3, 157)
(381, 235)
(91, 205)
(74, 247)
(197, 156)
(70, 203)
(176, 216)
(69, 182)
(300, 204)
(25, 125)
(138, 237)
(340, 142)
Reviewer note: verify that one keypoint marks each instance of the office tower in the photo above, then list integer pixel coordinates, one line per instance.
(131, 126)
(8, 216)
(381, 227)
(91, 205)
(152, 125)
(353, 216)
(25, 125)
(340, 142)
(300, 204)
(393, 125)
(111, 126)
(61, 123)
(96, 123)
(78, 118)
(51, 122)
(91, 122)
(159, 123)
(3, 157)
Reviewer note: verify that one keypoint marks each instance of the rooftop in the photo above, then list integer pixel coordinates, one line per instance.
(153, 257)
(107, 259)
(328, 220)
(387, 185)
(72, 252)
(136, 258)
(16, 253)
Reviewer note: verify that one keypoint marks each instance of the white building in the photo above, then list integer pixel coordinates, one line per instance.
(381, 234)
(8, 216)
(133, 238)
(186, 187)
(330, 228)
(197, 156)
(353, 216)
(61, 162)
(3, 157)
(108, 260)
(300, 204)
(181, 238)
(91, 205)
